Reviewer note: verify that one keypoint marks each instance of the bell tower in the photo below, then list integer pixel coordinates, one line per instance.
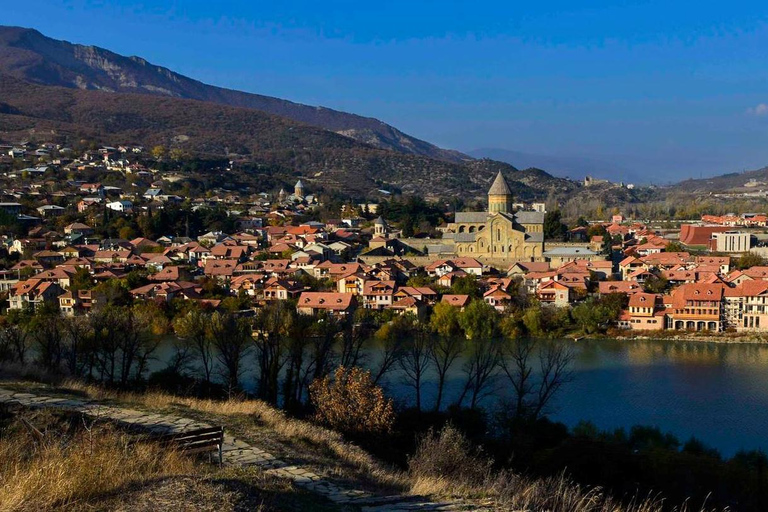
(499, 196)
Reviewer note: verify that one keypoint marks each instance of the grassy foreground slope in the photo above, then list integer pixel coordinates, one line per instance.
(94, 466)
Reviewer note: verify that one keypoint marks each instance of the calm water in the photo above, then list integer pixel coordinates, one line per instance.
(716, 392)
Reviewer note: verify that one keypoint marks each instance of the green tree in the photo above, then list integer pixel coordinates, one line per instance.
(127, 233)
(466, 285)
(593, 315)
(82, 280)
(158, 152)
(479, 320)
(656, 284)
(533, 320)
(445, 320)
(749, 259)
(675, 247)
(554, 229)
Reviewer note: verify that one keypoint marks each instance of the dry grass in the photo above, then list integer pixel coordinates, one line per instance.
(446, 465)
(65, 469)
(274, 419)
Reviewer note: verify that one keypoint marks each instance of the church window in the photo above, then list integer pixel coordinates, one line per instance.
(461, 229)
(498, 233)
(471, 229)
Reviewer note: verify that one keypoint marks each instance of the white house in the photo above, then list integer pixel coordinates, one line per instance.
(120, 206)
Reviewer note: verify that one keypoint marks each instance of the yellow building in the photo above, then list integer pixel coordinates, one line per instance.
(501, 232)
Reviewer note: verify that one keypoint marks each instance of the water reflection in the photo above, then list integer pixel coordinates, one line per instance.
(716, 392)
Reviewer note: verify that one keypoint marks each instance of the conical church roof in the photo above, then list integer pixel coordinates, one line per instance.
(500, 187)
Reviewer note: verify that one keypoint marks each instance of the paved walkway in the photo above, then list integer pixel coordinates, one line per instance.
(235, 452)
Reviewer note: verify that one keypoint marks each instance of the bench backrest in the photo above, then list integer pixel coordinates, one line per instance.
(196, 441)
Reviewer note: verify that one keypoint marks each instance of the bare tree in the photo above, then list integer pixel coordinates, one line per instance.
(391, 351)
(272, 326)
(325, 330)
(444, 352)
(193, 327)
(480, 369)
(230, 336)
(536, 370)
(392, 337)
(14, 340)
(352, 342)
(46, 330)
(296, 343)
(123, 341)
(415, 361)
(77, 335)
(106, 323)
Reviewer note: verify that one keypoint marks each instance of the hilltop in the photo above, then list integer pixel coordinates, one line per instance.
(28, 55)
(736, 182)
(55, 91)
(276, 144)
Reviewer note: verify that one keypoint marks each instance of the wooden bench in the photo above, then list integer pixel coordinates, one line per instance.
(202, 440)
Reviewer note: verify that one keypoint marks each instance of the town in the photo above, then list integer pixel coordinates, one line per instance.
(68, 237)
(292, 256)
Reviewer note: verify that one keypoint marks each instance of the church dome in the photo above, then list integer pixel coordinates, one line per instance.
(499, 187)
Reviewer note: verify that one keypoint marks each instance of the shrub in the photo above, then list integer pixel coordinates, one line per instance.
(448, 460)
(351, 402)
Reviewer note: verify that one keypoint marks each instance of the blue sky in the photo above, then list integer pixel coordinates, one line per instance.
(672, 88)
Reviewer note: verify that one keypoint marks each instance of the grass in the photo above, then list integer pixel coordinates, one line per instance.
(444, 466)
(67, 466)
(79, 465)
(335, 455)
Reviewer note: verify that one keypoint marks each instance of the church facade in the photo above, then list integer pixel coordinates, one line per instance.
(501, 232)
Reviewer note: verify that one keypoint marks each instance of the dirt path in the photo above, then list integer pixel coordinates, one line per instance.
(236, 452)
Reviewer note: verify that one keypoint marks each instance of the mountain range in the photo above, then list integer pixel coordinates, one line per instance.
(28, 55)
(566, 166)
(55, 90)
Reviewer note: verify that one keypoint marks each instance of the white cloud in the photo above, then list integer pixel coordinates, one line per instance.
(760, 109)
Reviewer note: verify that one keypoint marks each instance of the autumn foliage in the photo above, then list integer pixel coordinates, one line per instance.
(351, 403)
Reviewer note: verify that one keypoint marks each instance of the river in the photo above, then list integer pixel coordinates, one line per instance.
(715, 392)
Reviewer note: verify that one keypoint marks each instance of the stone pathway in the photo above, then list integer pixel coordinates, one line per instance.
(237, 452)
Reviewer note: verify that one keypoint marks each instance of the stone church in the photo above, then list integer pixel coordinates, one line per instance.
(501, 232)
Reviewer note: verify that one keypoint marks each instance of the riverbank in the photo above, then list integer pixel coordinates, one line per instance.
(705, 337)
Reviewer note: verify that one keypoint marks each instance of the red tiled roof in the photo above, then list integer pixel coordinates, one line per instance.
(326, 300)
(456, 300)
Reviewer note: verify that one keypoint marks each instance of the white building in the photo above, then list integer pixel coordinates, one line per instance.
(120, 206)
(731, 241)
